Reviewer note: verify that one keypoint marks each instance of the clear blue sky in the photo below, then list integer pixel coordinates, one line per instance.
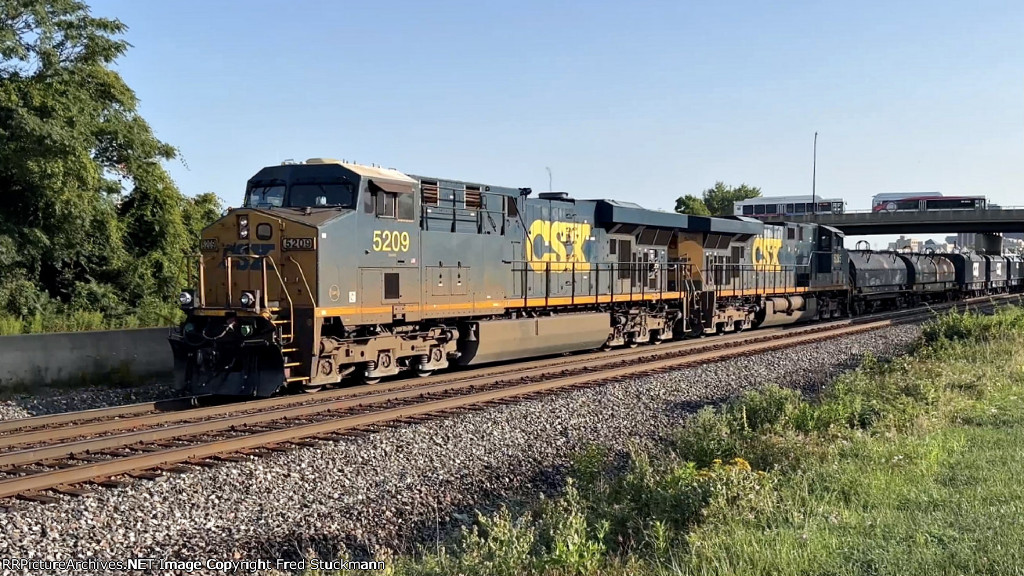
(643, 101)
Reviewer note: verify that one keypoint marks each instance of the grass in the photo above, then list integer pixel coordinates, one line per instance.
(61, 320)
(908, 467)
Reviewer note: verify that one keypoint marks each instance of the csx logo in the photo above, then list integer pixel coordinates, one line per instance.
(247, 263)
(557, 246)
(766, 254)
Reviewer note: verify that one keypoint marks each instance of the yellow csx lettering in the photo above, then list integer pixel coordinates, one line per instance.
(766, 253)
(557, 246)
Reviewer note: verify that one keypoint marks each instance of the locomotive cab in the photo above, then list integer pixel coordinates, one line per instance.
(260, 276)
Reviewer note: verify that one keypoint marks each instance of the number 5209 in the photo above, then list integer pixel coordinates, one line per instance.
(390, 241)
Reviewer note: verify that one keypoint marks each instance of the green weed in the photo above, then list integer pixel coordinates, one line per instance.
(904, 467)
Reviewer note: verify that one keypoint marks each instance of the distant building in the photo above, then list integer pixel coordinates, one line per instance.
(915, 245)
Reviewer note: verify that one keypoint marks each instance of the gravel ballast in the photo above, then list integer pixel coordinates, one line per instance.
(387, 490)
(45, 400)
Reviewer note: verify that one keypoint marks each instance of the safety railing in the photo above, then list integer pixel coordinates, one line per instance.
(583, 282)
(742, 277)
(451, 216)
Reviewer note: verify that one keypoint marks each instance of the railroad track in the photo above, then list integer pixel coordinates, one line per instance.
(126, 416)
(148, 441)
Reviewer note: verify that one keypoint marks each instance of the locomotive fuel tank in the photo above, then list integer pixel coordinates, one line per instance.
(499, 340)
(787, 310)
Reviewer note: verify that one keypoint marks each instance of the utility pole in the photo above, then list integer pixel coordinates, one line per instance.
(814, 177)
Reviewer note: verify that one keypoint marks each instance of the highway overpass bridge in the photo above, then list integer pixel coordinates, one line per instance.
(986, 222)
(935, 221)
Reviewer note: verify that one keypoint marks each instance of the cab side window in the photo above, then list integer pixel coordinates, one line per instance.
(386, 202)
(406, 210)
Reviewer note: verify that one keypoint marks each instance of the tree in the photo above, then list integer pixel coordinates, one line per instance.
(88, 215)
(691, 205)
(717, 200)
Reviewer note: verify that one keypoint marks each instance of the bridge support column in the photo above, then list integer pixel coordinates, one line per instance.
(988, 243)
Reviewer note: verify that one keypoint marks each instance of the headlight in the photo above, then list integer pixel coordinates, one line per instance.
(185, 299)
(248, 299)
(243, 226)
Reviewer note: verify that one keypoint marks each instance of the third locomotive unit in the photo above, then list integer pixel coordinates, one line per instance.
(334, 271)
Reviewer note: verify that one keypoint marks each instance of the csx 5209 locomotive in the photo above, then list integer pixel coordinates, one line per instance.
(334, 271)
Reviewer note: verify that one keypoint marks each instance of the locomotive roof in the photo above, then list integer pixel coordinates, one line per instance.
(616, 212)
(368, 171)
(328, 168)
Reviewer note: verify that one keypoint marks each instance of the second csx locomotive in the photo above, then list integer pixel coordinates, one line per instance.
(334, 271)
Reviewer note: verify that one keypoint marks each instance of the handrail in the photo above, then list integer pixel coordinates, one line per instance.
(641, 277)
(303, 275)
(263, 275)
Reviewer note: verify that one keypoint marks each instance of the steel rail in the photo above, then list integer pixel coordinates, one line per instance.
(136, 415)
(185, 409)
(112, 419)
(18, 441)
(170, 404)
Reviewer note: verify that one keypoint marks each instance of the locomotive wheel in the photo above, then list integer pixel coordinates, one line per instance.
(312, 389)
(424, 373)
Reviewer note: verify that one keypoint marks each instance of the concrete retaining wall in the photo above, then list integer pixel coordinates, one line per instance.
(114, 356)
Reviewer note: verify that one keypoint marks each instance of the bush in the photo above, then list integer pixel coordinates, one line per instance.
(961, 326)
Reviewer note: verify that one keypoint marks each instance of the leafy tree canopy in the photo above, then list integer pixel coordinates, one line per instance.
(692, 205)
(717, 200)
(89, 218)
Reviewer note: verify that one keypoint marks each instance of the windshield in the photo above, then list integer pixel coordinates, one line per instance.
(337, 194)
(271, 196)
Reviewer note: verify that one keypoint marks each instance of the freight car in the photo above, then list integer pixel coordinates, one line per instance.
(971, 273)
(878, 279)
(334, 271)
(1015, 281)
(931, 277)
(886, 279)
